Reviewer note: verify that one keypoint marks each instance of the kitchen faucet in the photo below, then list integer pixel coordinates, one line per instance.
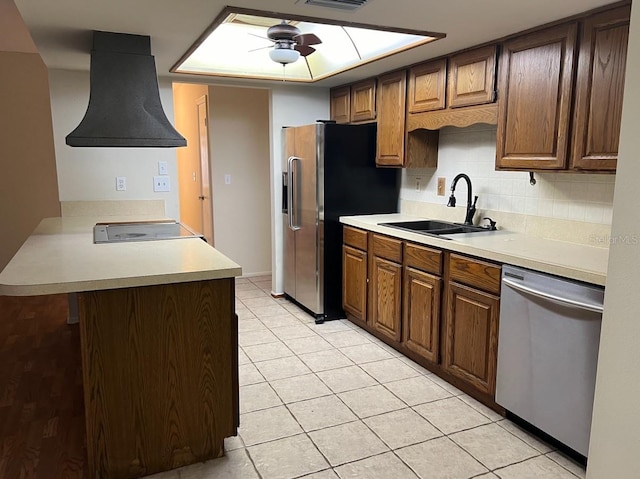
(471, 208)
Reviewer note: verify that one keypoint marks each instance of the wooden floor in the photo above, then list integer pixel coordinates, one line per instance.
(42, 431)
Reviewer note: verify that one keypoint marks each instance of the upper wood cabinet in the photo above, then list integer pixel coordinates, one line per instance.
(427, 86)
(472, 77)
(455, 91)
(599, 90)
(536, 85)
(354, 103)
(395, 145)
(391, 111)
(363, 101)
(340, 104)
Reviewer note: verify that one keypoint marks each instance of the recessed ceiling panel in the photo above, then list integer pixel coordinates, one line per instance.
(237, 45)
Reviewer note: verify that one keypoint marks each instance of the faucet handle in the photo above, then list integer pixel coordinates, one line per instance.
(492, 224)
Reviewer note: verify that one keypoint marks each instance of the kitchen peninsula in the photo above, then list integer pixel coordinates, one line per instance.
(158, 338)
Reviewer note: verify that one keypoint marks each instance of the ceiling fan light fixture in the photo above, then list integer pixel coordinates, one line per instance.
(284, 55)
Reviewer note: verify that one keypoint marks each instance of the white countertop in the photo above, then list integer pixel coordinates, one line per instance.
(60, 257)
(569, 260)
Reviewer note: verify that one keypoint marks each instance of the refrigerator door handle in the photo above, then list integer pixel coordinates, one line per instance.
(292, 192)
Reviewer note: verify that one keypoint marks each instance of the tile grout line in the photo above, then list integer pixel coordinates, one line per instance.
(378, 383)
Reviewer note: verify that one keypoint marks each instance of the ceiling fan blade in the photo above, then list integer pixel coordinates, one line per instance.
(304, 50)
(260, 36)
(261, 48)
(307, 39)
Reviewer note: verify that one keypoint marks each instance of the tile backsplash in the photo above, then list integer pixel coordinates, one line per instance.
(472, 150)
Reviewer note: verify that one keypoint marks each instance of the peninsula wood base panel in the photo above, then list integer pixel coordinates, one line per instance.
(160, 376)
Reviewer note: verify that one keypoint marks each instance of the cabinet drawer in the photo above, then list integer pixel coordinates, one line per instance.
(388, 248)
(473, 272)
(354, 237)
(422, 258)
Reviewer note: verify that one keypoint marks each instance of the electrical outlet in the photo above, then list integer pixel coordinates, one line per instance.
(418, 183)
(227, 179)
(441, 186)
(121, 183)
(161, 183)
(163, 168)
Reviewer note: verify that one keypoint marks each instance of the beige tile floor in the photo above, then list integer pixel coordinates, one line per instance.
(331, 401)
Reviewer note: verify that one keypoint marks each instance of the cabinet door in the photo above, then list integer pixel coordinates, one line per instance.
(386, 281)
(535, 85)
(427, 86)
(471, 347)
(421, 313)
(354, 282)
(599, 90)
(363, 101)
(340, 105)
(472, 77)
(391, 114)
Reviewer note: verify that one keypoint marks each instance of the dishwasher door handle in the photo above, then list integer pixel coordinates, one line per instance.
(596, 308)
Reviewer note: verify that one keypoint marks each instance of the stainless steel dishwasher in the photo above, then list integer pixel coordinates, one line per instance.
(548, 352)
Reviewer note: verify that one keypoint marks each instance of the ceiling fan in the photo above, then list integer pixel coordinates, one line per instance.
(289, 43)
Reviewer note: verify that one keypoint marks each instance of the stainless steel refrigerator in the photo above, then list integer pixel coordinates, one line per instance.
(330, 172)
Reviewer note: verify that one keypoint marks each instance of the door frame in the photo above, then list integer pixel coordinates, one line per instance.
(206, 186)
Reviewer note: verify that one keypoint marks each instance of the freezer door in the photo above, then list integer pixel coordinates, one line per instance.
(307, 291)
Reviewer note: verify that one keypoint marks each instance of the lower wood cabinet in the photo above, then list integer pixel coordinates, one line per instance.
(160, 376)
(354, 282)
(421, 313)
(440, 308)
(471, 336)
(386, 296)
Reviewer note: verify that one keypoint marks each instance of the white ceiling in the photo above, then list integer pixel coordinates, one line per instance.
(62, 28)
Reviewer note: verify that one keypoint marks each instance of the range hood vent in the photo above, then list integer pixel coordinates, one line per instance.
(124, 104)
(338, 4)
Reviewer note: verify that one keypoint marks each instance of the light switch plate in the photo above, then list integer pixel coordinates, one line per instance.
(161, 183)
(441, 185)
(163, 168)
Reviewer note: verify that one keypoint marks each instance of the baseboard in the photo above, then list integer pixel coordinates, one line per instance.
(253, 275)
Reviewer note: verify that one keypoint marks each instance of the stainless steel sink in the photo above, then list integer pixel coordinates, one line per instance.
(141, 231)
(435, 227)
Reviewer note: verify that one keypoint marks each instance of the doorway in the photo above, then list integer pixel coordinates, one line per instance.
(233, 172)
(194, 176)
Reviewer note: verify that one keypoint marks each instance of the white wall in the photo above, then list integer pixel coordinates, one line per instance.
(472, 150)
(239, 147)
(290, 106)
(615, 433)
(90, 173)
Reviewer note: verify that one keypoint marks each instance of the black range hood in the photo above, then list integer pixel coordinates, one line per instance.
(124, 104)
